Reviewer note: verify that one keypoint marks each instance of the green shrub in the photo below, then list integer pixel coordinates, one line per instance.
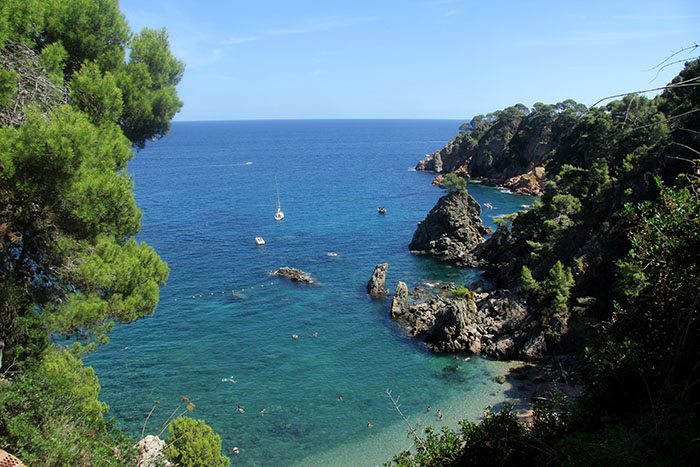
(52, 417)
(462, 292)
(454, 183)
(192, 443)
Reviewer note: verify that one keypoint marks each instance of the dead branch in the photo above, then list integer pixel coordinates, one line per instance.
(680, 84)
(398, 409)
(33, 84)
(665, 62)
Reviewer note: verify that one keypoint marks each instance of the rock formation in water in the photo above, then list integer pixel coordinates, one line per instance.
(295, 275)
(495, 324)
(375, 286)
(451, 229)
(399, 304)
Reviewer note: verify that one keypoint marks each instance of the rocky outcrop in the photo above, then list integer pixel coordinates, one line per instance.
(399, 304)
(295, 275)
(453, 328)
(151, 452)
(452, 228)
(526, 184)
(507, 148)
(495, 324)
(375, 286)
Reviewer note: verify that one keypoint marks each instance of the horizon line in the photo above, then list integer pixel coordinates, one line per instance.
(316, 119)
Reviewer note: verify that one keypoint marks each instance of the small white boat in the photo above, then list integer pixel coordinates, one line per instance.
(488, 205)
(259, 240)
(279, 215)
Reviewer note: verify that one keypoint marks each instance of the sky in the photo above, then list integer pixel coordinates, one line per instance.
(446, 59)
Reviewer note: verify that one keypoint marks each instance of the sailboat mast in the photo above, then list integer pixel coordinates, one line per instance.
(279, 215)
(279, 206)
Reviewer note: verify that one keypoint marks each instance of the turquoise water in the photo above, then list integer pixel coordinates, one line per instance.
(207, 190)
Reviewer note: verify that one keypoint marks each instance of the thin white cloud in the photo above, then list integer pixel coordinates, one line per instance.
(452, 13)
(238, 40)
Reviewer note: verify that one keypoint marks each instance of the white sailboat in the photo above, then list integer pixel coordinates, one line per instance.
(279, 215)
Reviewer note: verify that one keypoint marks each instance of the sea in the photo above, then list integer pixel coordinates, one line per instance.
(285, 373)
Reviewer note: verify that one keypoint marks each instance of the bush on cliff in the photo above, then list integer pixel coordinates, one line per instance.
(192, 443)
(453, 183)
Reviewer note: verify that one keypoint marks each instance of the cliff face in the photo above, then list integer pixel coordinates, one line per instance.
(452, 229)
(509, 148)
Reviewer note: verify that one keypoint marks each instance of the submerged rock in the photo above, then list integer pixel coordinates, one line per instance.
(375, 286)
(452, 229)
(295, 275)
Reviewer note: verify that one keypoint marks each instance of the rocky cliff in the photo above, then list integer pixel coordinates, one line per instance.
(509, 148)
(452, 229)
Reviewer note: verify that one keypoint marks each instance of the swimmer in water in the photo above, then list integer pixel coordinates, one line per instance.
(340, 397)
(440, 414)
(240, 409)
(369, 425)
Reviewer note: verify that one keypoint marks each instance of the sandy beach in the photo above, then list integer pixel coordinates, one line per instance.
(512, 382)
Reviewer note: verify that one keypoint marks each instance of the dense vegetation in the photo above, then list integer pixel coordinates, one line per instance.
(72, 108)
(608, 262)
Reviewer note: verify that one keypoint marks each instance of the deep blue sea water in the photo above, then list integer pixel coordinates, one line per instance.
(207, 190)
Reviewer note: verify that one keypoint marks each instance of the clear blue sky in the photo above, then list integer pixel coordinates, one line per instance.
(265, 59)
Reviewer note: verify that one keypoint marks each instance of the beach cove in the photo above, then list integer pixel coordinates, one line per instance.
(222, 334)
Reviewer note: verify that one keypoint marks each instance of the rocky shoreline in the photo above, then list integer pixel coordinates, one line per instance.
(497, 323)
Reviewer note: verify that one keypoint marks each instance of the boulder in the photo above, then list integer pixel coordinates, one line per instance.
(151, 452)
(375, 286)
(295, 275)
(452, 229)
